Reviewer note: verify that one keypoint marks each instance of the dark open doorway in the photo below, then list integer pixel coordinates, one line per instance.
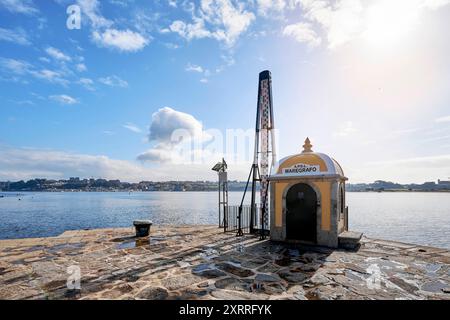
(301, 213)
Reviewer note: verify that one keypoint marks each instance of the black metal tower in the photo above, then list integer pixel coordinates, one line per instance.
(262, 164)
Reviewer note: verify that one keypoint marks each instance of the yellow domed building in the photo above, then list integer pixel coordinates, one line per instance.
(307, 202)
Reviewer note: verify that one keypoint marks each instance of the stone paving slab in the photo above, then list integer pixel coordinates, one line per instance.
(201, 262)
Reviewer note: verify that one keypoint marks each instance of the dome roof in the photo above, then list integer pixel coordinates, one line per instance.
(308, 163)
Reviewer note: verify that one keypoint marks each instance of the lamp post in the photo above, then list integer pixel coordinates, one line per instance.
(221, 169)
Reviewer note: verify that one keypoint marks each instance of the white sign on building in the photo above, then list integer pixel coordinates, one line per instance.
(302, 169)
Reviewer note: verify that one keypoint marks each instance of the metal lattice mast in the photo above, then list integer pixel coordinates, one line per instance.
(262, 164)
(264, 145)
(267, 144)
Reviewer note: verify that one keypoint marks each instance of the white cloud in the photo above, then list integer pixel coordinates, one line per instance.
(20, 6)
(23, 163)
(50, 76)
(87, 83)
(123, 40)
(81, 67)
(172, 3)
(443, 119)
(132, 127)
(17, 36)
(64, 99)
(114, 81)
(160, 155)
(23, 68)
(91, 9)
(269, 7)
(342, 21)
(434, 4)
(44, 59)
(223, 20)
(302, 32)
(103, 33)
(194, 68)
(15, 66)
(27, 163)
(25, 102)
(346, 129)
(168, 129)
(121, 3)
(57, 54)
(167, 120)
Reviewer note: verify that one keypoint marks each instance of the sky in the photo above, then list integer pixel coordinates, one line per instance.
(161, 90)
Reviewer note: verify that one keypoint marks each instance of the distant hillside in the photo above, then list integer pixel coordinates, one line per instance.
(380, 185)
(98, 185)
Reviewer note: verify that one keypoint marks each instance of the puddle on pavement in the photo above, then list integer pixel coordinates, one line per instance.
(434, 286)
(432, 268)
(35, 248)
(136, 243)
(133, 242)
(356, 276)
(209, 254)
(387, 264)
(63, 247)
(202, 267)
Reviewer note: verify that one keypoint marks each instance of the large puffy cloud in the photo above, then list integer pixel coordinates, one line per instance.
(172, 132)
(166, 121)
(179, 139)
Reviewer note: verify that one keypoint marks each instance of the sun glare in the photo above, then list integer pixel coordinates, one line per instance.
(390, 22)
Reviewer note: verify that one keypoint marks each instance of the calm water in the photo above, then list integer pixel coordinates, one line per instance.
(422, 218)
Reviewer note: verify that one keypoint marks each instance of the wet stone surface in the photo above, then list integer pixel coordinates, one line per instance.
(201, 262)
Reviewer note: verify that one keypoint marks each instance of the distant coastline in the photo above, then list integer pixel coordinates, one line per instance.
(103, 185)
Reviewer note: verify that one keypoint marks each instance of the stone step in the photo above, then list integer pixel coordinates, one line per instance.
(349, 239)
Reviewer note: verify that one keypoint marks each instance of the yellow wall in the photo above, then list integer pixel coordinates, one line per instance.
(279, 189)
(325, 190)
(325, 193)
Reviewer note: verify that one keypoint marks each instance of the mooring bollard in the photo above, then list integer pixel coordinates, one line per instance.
(142, 227)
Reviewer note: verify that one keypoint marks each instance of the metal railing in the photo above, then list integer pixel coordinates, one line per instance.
(346, 218)
(230, 221)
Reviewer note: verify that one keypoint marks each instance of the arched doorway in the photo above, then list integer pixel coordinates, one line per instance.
(301, 213)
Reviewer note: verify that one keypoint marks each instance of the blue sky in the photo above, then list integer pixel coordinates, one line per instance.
(367, 81)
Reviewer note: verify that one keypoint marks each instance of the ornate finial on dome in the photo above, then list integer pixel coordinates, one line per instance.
(307, 146)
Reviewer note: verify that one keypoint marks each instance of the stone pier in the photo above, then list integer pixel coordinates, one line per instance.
(201, 262)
